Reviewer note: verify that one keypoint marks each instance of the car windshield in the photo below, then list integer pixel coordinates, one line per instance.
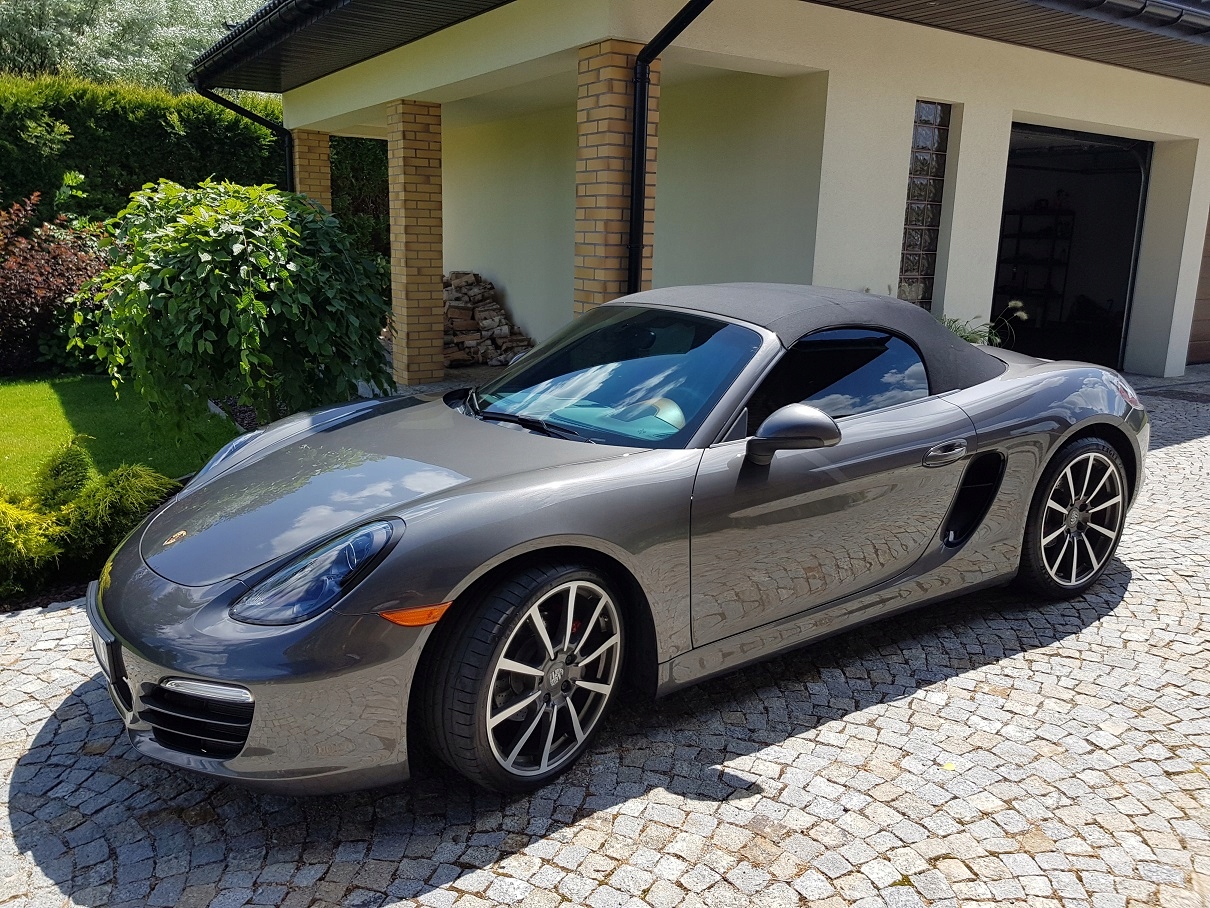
(624, 375)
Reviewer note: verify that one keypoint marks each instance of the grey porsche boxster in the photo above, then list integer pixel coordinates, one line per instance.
(678, 483)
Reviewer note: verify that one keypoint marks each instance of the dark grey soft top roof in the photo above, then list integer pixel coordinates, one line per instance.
(791, 311)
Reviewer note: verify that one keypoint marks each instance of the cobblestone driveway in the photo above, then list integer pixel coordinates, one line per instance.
(988, 750)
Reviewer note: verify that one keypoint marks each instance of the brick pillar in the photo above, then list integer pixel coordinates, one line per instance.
(604, 122)
(414, 165)
(313, 166)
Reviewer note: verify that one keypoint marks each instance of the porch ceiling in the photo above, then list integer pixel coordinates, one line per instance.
(288, 43)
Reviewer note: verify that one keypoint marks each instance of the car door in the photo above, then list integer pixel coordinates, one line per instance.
(815, 526)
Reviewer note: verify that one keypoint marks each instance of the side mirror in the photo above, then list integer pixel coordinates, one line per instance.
(793, 427)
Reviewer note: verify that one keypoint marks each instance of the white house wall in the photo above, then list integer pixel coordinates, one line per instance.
(509, 206)
(738, 186)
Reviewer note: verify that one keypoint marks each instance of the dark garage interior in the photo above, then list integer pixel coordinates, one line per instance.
(1068, 242)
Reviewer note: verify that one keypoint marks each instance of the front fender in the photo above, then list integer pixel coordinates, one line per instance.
(634, 510)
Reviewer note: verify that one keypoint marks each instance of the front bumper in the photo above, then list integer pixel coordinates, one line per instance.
(328, 699)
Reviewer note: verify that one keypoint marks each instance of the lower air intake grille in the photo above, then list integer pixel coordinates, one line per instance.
(196, 725)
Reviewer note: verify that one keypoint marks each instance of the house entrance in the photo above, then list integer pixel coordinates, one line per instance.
(1073, 206)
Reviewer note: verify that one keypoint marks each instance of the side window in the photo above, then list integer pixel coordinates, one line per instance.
(842, 371)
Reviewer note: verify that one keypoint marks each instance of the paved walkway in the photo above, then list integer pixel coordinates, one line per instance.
(990, 750)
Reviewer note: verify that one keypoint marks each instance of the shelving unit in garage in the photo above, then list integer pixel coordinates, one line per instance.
(1035, 250)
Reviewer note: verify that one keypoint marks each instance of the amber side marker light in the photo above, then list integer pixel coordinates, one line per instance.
(418, 616)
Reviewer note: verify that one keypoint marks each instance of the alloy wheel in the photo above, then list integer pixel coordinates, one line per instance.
(554, 677)
(1082, 519)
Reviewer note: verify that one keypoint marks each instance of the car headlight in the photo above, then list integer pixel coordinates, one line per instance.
(313, 583)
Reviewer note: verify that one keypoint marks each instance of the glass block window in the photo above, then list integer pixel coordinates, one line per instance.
(922, 220)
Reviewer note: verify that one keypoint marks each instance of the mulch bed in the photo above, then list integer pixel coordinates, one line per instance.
(243, 416)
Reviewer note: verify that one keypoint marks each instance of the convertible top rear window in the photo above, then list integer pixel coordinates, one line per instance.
(626, 375)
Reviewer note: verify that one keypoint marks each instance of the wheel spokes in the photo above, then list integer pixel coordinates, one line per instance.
(1104, 505)
(512, 757)
(575, 722)
(571, 614)
(592, 622)
(601, 650)
(1092, 556)
(513, 708)
(595, 687)
(519, 668)
(1100, 485)
(539, 623)
(1055, 535)
(550, 737)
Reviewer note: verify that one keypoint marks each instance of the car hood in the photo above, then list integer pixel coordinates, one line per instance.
(286, 497)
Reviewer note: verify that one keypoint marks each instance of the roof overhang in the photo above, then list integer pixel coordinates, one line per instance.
(288, 43)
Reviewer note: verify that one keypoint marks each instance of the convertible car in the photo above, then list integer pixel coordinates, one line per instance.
(677, 484)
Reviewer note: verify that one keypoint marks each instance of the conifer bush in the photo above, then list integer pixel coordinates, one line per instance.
(75, 518)
(64, 475)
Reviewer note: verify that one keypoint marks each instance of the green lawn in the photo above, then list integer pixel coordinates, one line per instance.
(38, 415)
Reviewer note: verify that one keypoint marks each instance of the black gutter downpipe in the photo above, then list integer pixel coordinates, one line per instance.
(638, 156)
(277, 128)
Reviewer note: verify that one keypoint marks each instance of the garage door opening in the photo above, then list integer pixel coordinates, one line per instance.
(1073, 206)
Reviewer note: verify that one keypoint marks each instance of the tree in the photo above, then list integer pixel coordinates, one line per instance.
(226, 291)
(151, 42)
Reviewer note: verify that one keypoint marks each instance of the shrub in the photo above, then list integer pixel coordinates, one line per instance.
(225, 291)
(40, 268)
(994, 333)
(64, 475)
(120, 136)
(110, 506)
(359, 192)
(29, 543)
(74, 521)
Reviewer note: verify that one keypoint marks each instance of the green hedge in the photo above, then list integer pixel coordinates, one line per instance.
(121, 136)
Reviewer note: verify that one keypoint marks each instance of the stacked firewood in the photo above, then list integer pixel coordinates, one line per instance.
(477, 329)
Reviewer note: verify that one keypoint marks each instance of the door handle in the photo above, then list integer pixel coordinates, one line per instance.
(946, 452)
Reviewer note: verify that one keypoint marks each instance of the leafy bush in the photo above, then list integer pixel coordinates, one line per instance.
(120, 136)
(29, 543)
(40, 268)
(225, 291)
(64, 475)
(110, 506)
(76, 518)
(359, 192)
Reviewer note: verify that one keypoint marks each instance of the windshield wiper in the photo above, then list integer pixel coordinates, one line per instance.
(534, 424)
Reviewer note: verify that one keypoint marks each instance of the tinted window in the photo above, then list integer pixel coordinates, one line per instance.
(842, 372)
(626, 375)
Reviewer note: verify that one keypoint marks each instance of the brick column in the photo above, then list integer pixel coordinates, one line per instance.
(313, 166)
(414, 166)
(604, 122)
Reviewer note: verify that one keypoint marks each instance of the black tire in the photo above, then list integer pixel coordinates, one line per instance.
(498, 704)
(1075, 520)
